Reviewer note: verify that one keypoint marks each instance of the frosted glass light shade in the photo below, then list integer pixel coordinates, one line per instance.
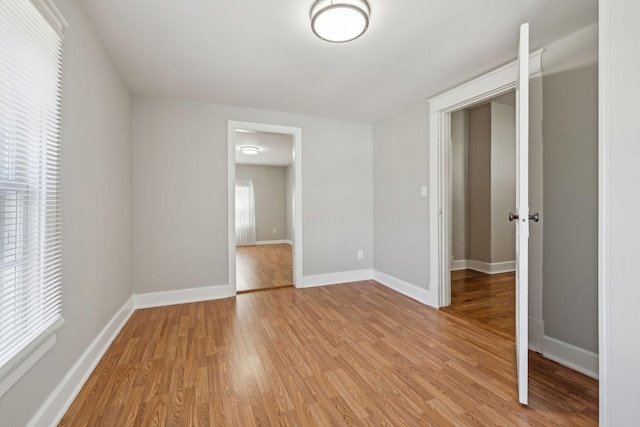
(248, 149)
(340, 21)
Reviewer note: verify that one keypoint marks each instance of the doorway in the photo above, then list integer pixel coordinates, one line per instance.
(482, 89)
(264, 200)
(264, 210)
(483, 175)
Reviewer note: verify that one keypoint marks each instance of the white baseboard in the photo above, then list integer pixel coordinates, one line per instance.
(536, 332)
(490, 268)
(412, 291)
(205, 293)
(433, 294)
(274, 242)
(58, 402)
(576, 358)
(458, 264)
(335, 278)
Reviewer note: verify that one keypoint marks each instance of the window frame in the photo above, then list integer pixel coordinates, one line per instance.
(44, 339)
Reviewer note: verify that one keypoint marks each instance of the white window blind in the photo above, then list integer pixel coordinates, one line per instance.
(245, 213)
(30, 252)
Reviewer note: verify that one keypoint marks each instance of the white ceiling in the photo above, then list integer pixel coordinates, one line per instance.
(262, 54)
(275, 149)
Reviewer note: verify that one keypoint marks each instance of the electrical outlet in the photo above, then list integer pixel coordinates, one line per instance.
(275, 231)
(360, 254)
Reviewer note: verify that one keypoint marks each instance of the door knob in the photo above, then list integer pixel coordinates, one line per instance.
(535, 217)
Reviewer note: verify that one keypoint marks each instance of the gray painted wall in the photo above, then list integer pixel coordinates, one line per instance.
(459, 186)
(180, 192)
(96, 211)
(483, 182)
(401, 216)
(270, 193)
(480, 183)
(503, 182)
(570, 131)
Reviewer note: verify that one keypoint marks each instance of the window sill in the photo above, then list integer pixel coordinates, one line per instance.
(29, 357)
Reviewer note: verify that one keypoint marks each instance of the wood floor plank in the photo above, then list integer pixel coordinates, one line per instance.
(486, 299)
(260, 267)
(355, 354)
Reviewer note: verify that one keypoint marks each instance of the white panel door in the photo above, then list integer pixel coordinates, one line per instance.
(522, 215)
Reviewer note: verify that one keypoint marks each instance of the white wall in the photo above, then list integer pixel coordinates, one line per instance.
(180, 192)
(96, 187)
(401, 216)
(619, 173)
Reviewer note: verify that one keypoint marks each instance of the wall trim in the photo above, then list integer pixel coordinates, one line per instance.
(183, 296)
(29, 356)
(274, 242)
(536, 333)
(483, 267)
(459, 264)
(51, 13)
(604, 211)
(573, 357)
(491, 268)
(335, 278)
(405, 288)
(59, 401)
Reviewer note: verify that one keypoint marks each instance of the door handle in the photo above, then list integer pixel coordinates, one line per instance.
(535, 217)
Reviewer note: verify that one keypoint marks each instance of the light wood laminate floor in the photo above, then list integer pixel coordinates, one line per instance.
(486, 299)
(355, 354)
(263, 267)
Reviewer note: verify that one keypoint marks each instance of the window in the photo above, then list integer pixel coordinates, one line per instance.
(30, 264)
(245, 214)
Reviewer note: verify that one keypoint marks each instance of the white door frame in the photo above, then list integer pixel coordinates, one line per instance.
(296, 134)
(487, 86)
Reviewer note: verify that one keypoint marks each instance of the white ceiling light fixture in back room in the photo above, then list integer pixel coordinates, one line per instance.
(340, 21)
(250, 150)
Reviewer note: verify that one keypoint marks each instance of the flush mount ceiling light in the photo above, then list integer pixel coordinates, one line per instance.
(249, 149)
(340, 21)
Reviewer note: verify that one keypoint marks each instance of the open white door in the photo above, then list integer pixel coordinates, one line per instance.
(522, 215)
